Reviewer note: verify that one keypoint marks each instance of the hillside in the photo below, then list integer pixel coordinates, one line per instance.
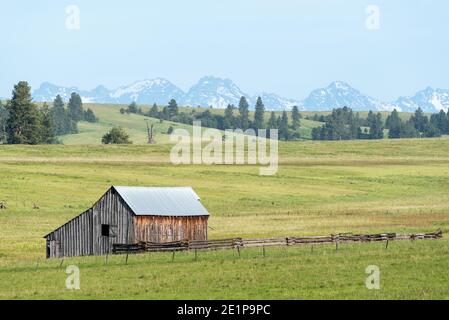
(135, 125)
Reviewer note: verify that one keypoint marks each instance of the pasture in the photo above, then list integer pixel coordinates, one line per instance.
(321, 188)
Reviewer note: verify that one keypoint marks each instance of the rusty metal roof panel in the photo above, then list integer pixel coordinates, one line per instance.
(178, 201)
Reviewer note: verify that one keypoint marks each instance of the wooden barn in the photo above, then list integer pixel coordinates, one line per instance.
(128, 215)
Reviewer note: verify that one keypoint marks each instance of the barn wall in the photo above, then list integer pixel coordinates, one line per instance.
(167, 229)
(72, 239)
(113, 211)
(82, 235)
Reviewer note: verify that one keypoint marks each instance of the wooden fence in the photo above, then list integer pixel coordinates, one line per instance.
(237, 243)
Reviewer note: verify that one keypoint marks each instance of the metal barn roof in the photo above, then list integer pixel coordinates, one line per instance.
(177, 202)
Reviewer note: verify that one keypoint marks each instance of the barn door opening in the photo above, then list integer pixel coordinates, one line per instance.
(52, 251)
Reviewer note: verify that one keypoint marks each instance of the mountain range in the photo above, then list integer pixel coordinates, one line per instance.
(218, 92)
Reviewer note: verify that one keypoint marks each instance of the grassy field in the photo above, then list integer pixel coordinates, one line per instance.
(321, 188)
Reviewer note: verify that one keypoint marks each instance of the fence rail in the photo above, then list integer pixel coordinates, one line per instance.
(237, 243)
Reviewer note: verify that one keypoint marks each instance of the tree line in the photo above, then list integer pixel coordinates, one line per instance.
(343, 124)
(233, 117)
(23, 122)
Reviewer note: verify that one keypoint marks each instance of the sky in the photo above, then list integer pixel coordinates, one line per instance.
(385, 48)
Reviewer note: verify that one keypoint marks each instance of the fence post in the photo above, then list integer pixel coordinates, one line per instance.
(173, 256)
(238, 250)
(263, 251)
(127, 254)
(195, 255)
(386, 246)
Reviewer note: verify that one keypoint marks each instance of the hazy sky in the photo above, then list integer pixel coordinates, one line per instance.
(280, 46)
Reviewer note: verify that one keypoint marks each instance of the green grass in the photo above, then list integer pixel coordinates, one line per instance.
(135, 126)
(321, 188)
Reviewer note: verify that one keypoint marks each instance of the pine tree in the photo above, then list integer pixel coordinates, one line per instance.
(228, 120)
(89, 116)
(23, 125)
(296, 118)
(243, 113)
(154, 111)
(408, 130)
(394, 125)
(172, 108)
(419, 120)
(283, 128)
(75, 107)
(259, 114)
(132, 108)
(47, 126)
(430, 131)
(3, 119)
(375, 124)
(272, 122)
(440, 121)
(63, 124)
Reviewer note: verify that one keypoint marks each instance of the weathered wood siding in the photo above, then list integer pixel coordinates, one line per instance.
(82, 235)
(166, 229)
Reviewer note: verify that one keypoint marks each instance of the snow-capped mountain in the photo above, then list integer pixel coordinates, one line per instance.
(339, 94)
(218, 92)
(48, 92)
(274, 102)
(213, 91)
(157, 90)
(430, 100)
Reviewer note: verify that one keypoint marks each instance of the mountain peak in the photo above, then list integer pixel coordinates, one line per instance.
(219, 92)
(340, 85)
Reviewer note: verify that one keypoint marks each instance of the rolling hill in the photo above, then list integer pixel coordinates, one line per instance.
(135, 126)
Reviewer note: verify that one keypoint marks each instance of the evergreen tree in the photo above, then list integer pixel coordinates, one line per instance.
(22, 125)
(408, 130)
(89, 116)
(132, 108)
(272, 122)
(165, 113)
(228, 121)
(394, 125)
(75, 107)
(419, 120)
(354, 125)
(440, 121)
(259, 114)
(116, 136)
(154, 111)
(430, 131)
(3, 119)
(283, 127)
(296, 118)
(172, 108)
(47, 126)
(243, 113)
(63, 124)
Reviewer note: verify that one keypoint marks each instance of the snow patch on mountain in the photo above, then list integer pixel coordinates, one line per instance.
(429, 100)
(340, 94)
(213, 91)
